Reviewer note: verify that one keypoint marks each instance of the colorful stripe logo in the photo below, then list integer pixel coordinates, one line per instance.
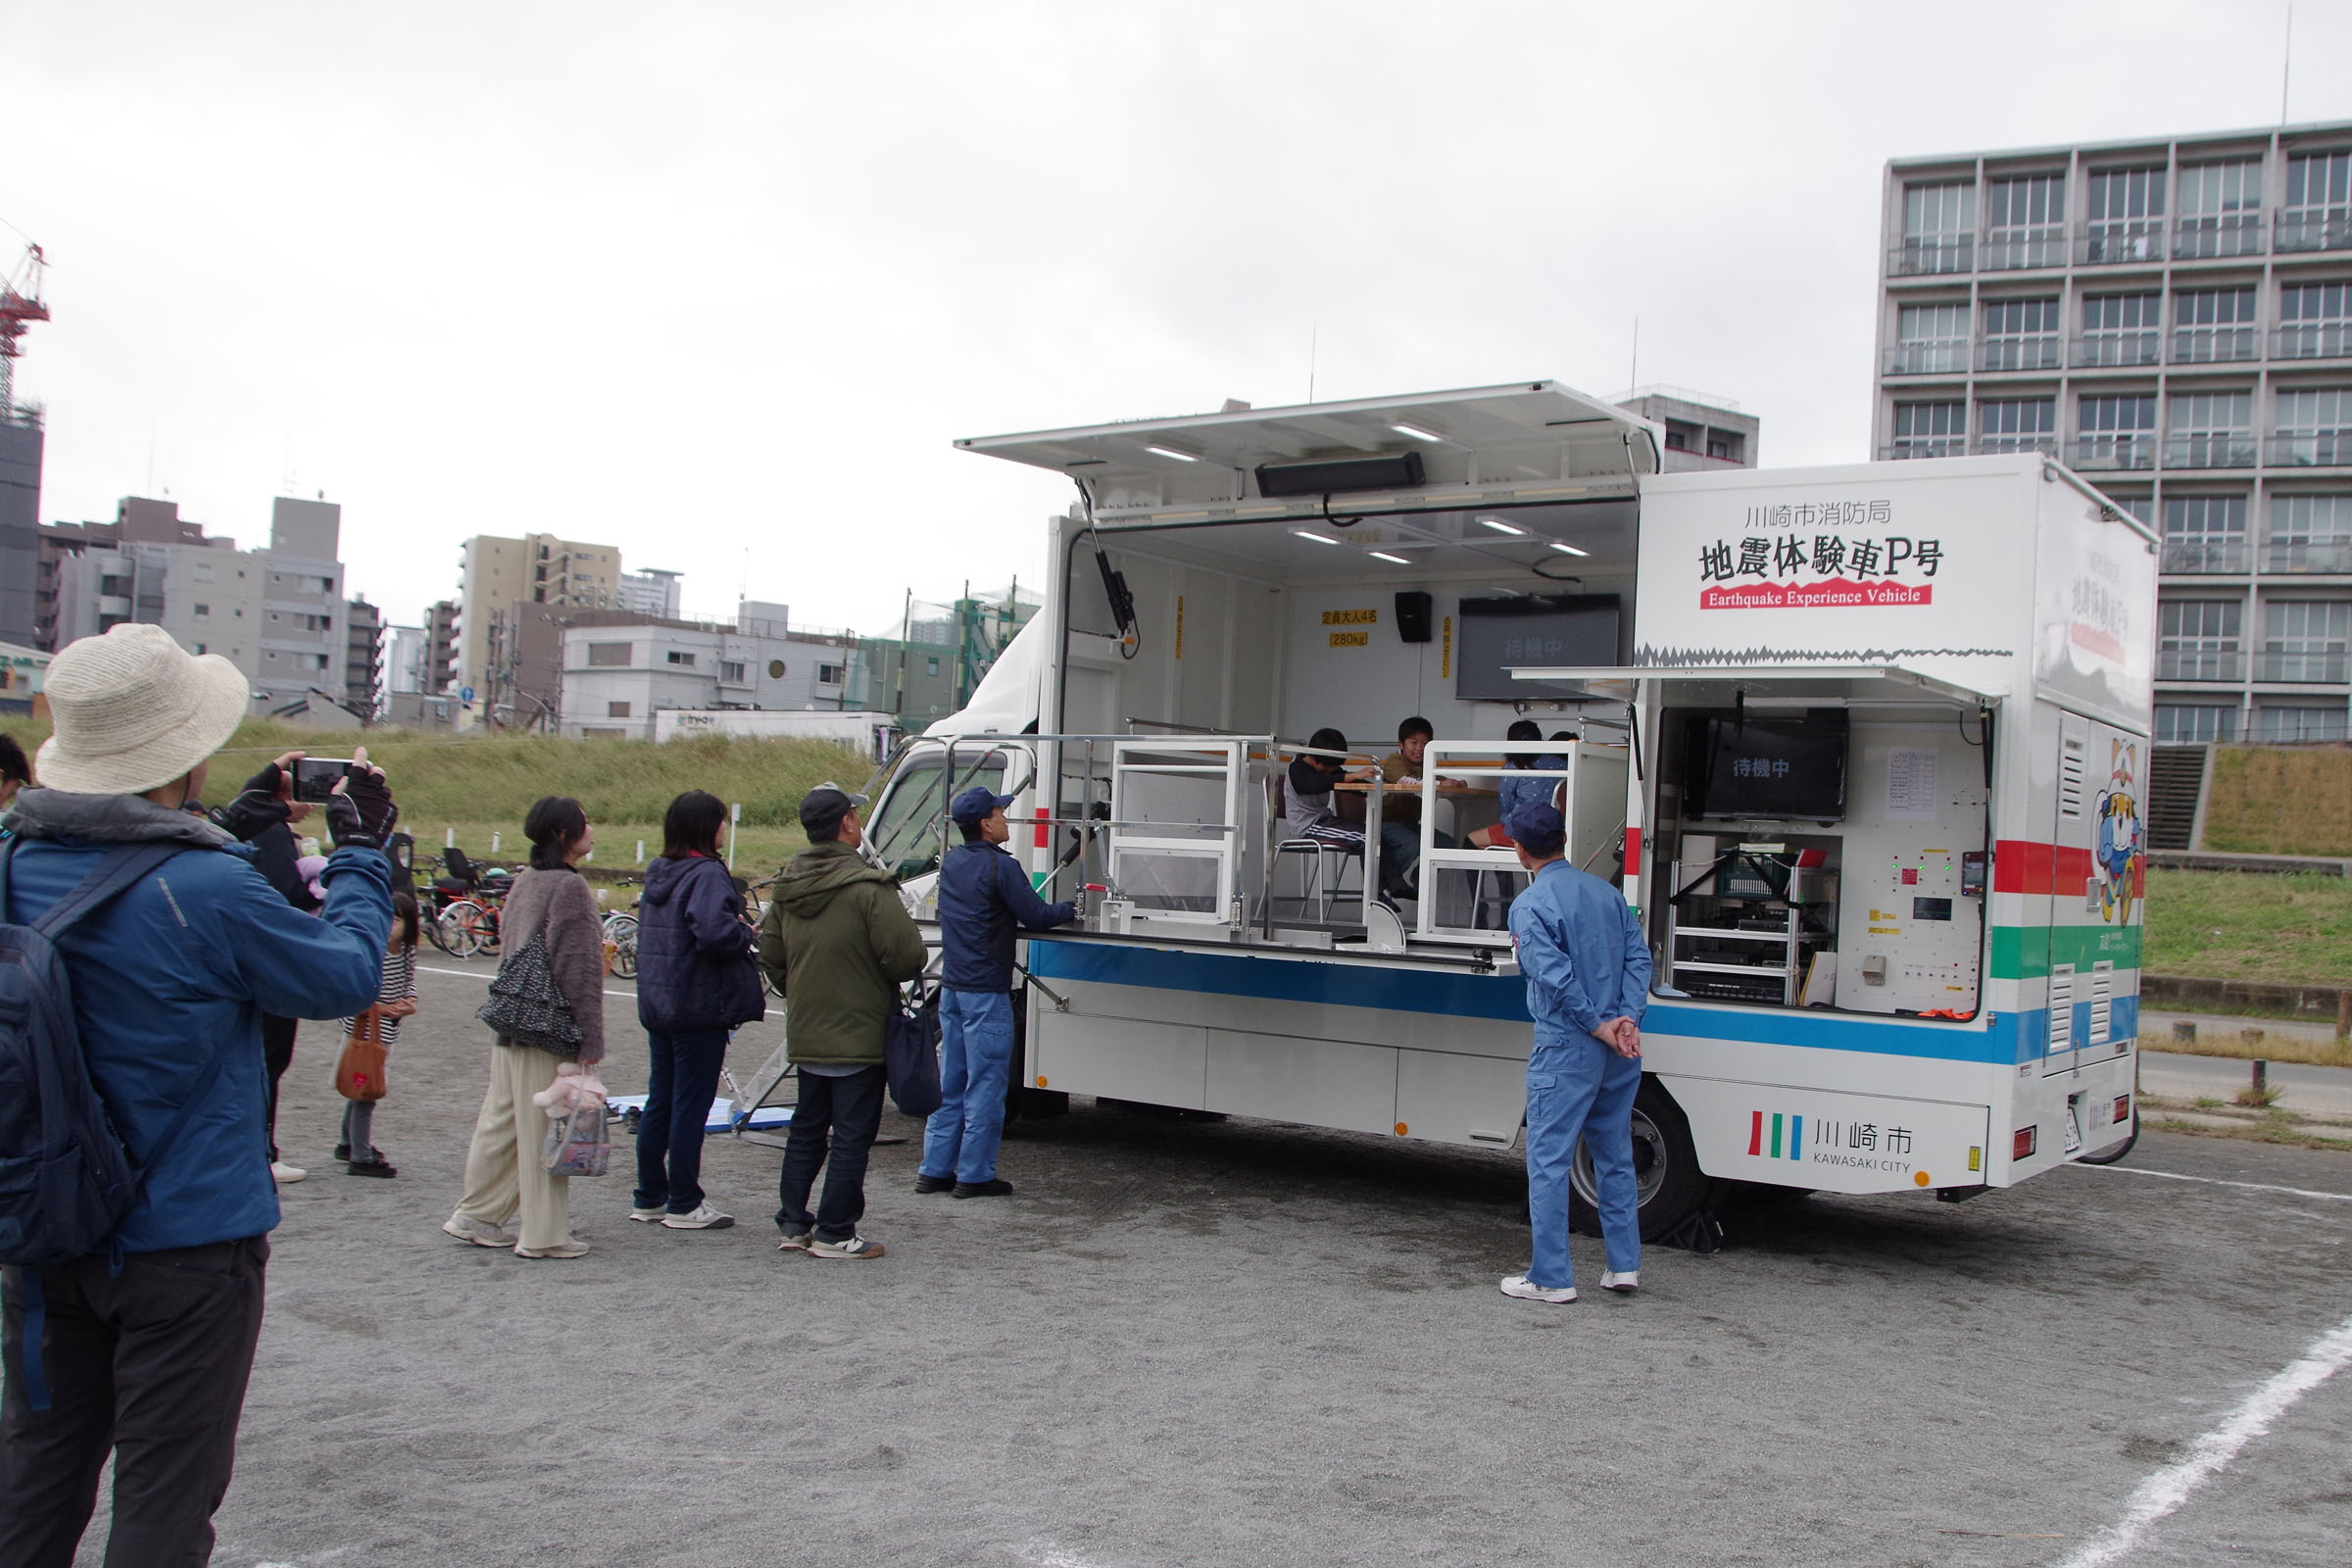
(1794, 1126)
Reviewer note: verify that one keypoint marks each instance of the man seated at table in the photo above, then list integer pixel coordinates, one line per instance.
(1308, 812)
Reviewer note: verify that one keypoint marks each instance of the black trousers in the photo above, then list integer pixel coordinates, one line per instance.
(150, 1364)
(849, 1110)
(277, 1055)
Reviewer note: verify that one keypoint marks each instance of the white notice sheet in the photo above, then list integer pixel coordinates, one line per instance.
(1911, 793)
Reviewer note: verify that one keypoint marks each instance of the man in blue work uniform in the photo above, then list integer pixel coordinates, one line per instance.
(1588, 981)
(983, 894)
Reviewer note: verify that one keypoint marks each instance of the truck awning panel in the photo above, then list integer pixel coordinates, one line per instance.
(1524, 441)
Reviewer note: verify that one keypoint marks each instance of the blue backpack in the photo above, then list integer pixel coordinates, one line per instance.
(66, 1183)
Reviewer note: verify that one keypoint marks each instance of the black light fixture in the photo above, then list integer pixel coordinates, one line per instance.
(1347, 474)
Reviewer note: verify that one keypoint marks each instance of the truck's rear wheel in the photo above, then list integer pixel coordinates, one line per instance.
(1668, 1185)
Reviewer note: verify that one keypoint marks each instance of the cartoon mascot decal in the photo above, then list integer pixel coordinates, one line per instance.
(2122, 860)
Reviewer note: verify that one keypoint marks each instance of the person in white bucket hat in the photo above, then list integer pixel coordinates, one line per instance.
(143, 1347)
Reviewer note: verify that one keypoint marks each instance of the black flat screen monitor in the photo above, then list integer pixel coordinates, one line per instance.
(1579, 629)
(1770, 766)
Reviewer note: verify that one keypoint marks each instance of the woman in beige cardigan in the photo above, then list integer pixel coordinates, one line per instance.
(502, 1169)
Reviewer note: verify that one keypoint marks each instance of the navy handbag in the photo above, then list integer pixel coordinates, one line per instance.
(910, 1054)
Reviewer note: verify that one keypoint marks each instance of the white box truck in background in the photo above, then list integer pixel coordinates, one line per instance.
(1865, 744)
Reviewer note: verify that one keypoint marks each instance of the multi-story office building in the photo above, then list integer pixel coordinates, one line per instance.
(19, 523)
(496, 575)
(2173, 318)
(619, 669)
(278, 614)
(1703, 432)
(652, 592)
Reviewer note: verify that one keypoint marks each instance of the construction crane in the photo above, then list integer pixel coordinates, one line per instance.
(19, 305)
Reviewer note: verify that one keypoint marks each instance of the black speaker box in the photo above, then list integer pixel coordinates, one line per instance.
(1413, 617)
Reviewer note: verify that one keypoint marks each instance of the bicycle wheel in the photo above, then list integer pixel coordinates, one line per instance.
(434, 933)
(465, 924)
(622, 931)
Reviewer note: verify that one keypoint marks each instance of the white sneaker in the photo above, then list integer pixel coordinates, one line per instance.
(1516, 1284)
(1625, 1284)
(650, 1216)
(854, 1247)
(704, 1218)
(285, 1175)
(481, 1233)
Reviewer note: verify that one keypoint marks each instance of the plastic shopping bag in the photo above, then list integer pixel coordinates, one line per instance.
(578, 1143)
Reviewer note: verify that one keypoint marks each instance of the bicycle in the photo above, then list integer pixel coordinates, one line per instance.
(754, 907)
(470, 926)
(620, 939)
(450, 879)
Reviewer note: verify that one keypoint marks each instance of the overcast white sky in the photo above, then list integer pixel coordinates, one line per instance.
(720, 282)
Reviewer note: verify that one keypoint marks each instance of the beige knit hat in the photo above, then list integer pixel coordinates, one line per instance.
(135, 710)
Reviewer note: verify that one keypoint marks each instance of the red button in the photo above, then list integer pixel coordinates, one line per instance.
(1911, 878)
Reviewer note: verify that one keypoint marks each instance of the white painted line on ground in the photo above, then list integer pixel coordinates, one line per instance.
(484, 974)
(2216, 1181)
(2168, 1489)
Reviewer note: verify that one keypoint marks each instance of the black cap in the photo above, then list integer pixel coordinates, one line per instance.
(824, 807)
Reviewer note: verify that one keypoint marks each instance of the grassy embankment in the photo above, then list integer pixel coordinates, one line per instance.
(2277, 799)
(480, 785)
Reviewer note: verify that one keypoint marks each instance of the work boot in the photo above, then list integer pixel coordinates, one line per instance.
(994, 1187)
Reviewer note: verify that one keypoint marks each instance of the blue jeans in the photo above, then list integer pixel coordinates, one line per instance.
(1579, 1087)
(677, 1102)
(975, 1057)
(1400, 855)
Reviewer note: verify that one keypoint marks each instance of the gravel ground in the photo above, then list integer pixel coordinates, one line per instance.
(1240, 1342)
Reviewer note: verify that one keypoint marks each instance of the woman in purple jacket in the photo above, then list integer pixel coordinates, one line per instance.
(696, 981)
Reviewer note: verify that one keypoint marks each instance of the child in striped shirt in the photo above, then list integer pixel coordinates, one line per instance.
(394, 1002)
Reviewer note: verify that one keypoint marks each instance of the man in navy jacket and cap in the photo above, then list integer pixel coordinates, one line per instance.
(983, 895)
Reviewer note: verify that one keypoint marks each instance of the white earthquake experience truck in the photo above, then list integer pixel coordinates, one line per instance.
(1864, 744)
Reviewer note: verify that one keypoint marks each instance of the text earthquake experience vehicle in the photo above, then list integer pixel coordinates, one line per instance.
(1865, 744)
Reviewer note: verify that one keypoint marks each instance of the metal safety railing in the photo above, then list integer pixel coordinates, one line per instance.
(1466, 889)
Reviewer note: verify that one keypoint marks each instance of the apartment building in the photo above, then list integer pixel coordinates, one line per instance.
(496, 575)
(440, 647)
(2173, 318)
(364, 665)
(404, 660)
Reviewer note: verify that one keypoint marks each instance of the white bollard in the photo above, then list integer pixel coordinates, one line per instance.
(641, 852)
(449, 838)
(493, 844)
(734, 831)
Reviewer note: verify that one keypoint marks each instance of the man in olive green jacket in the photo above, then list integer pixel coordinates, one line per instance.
(837, 942)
